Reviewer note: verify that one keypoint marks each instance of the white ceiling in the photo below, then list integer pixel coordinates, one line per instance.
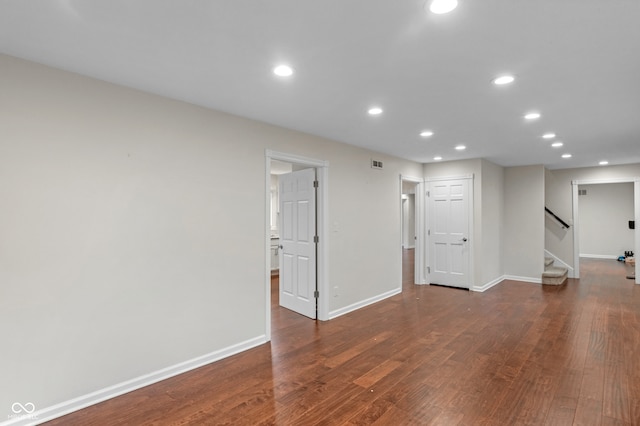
(575, 61)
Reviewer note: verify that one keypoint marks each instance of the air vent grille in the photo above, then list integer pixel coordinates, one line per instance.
(582, 192)
(376, 164)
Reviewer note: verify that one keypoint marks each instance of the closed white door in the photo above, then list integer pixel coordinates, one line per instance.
(298, 242)
(448, 233)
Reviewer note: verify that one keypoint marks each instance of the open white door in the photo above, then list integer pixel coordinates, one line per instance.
(298, 242)
(448, 232)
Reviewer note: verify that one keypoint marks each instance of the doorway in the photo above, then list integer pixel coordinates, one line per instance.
(409, 236)
(281, 164)
(412, 228)
(582, 187)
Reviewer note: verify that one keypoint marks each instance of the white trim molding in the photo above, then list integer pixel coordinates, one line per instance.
(600, 181)
(441, 178)
(599, 256)
(75, 404)
(363, 303)
(523, 279)
(297, 159)
(487, 286)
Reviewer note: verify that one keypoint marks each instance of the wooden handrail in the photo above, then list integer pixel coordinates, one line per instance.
(556, 217)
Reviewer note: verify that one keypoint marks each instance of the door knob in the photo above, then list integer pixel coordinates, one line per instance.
(281, 247)
(464, 240)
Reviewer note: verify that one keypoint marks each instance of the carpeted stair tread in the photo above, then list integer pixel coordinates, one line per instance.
(554, 272)
(554, 275)
(547, 262)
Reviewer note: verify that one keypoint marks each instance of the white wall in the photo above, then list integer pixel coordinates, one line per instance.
(605, 212)
(523, 236)
(490, 265)
(558, 196)
(133, 231)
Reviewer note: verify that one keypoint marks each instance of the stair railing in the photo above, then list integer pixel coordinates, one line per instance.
(564, 224)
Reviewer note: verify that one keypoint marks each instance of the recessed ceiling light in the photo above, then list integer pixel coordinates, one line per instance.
(426, 133)
(603, 163)
(442, 6)
(283, 71)
(503, 79)
(557, 144)
(566, 155)
(437, 158)
(375, 111)
(549, 136)
(532, 115)
(461, 148)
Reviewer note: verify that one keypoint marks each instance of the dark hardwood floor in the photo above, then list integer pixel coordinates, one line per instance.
(517, 354)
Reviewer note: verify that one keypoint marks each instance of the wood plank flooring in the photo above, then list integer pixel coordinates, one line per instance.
(518, 354)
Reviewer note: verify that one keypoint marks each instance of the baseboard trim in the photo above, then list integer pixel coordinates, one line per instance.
(524, 279)
(363, 303)
(66, 407)
(599, 256)
(488, 285)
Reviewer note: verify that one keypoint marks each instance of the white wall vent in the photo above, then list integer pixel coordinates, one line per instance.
(375, 164)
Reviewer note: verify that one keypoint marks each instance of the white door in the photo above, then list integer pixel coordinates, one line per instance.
(448, 232)
(297, 242)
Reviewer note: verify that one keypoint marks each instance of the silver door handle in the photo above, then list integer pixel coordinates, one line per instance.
(281, 247)
(464, 240)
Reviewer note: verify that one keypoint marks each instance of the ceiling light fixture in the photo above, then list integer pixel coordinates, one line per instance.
(557, 144)
(503, 79)
(375, 111)
(532, 116)
(442, 6)
(437, 158)
(283, 71)
(566, 155)
(426, 133)
(603, 163)
(548, 136)
(461, 148)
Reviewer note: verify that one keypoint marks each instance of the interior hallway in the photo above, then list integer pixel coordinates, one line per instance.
(519, 353)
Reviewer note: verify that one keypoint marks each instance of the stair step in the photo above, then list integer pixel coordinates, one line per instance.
(547, 262)
(554, 275)
(554, 271)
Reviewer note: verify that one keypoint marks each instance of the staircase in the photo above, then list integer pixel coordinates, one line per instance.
(553, 275)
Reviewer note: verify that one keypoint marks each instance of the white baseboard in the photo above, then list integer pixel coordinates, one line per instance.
(599, 256)
(488, 285)
(524, 279)
(363, 303)
(59, 410)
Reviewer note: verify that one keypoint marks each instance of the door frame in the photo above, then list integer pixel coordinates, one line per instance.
(470, 218)
(419, 259)
(322, 215)
(576, 215)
